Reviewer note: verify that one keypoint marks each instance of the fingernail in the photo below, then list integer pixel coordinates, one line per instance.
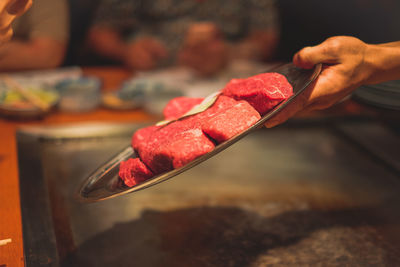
(271, 124)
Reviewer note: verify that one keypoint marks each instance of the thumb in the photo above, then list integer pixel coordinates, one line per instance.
(310, 56)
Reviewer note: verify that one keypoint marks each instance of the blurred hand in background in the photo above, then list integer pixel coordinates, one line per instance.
(202, 35)
(9, 10)
(40, 36)
(144, 53)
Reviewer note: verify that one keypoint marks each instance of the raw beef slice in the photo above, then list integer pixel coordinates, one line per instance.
(172, 146)
(153, 135)
(231, 121)
(140, 137)
(182, 149)
(134, 171)
(262, 91)
(180, 141)
(163, 148)
(179, 106)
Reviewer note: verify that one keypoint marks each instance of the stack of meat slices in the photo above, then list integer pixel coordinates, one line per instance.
(241, 104)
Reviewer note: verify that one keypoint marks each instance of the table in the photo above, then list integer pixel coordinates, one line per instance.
(11, 254)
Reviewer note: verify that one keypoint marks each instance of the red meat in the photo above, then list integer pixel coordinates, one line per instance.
(159, 151)
(153, 143)
(153, 135)
(139, 138)
(162, 148)
(231, 122)
(222, 103)
(263, 91)
(180, 150)
(179, 106)
(134, 171)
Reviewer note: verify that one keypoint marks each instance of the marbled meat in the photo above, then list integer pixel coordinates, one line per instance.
(263, 91)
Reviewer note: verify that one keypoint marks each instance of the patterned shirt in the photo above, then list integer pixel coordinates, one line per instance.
(168, 20)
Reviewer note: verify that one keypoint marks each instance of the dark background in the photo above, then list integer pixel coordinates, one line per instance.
(302, 23)
(309, 22)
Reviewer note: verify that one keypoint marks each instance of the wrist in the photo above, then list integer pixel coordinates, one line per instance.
(371, 64)
(383, 62)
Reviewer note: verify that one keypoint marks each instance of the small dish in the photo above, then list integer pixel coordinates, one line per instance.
(104, 183)
(13, 104)
(80, 94)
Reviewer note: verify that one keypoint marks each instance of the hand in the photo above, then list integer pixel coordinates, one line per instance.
(203, 49)
(345, 68)
(144, 54)
(258, 45)
(9, 10)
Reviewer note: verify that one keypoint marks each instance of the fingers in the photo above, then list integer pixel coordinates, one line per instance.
(298, 104)
(289, 111)
(326, 52)
(342, 57)
(145, 54)
(310, 97)
(143, 61)
(17, 7)
(156, 48)
(139, 58)
(6, 34)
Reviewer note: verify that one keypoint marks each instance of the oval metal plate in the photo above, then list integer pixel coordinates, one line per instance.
(104, 183)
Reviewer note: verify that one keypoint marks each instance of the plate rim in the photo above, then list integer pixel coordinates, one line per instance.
(124, 155)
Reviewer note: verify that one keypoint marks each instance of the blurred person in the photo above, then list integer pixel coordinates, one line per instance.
(204, 35)
(9, 10)
(348, 64)
(40, 38)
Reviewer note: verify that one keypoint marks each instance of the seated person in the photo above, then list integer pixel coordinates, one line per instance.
(40, 38)
(9, 10)
(201, 34)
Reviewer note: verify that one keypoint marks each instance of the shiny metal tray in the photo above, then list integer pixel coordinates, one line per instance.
(301, 194)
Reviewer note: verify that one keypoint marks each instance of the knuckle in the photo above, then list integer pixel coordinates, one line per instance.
(305, 53)
(333, 46)
(304, 57)
(322, 104)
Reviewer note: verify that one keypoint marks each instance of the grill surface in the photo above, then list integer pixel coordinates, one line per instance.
(291, 196)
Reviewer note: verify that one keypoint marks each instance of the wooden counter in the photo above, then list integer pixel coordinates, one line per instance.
(11, 254)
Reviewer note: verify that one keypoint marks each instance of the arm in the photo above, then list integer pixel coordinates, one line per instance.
(35, 54)
(384, 60)
(41, 36)
(348, 64)
(141, 54)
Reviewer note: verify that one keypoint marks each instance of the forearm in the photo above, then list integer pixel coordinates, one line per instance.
(35, 54)
(107, 43)
(384, 62)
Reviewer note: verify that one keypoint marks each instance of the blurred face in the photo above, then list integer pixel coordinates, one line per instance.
(9, 10)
